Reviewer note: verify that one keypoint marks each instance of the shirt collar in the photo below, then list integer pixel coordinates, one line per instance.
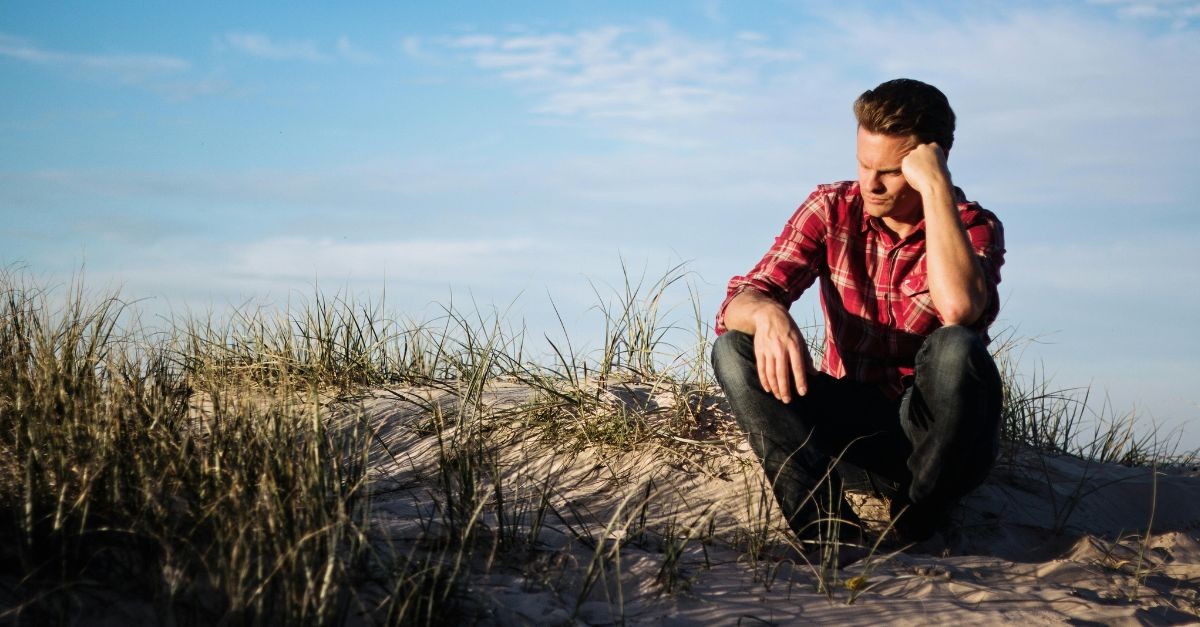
(871, 222)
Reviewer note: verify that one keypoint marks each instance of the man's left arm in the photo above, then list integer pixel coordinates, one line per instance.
(956, 280)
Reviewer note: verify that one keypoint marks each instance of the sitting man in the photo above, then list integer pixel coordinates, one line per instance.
(906, 389)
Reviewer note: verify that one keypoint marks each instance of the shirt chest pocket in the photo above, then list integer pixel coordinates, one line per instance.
(916, 312)
(915, 284)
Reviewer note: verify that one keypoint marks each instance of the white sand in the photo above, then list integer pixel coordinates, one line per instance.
(1046, 541)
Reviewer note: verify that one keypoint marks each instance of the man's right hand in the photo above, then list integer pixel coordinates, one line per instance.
(779, 349)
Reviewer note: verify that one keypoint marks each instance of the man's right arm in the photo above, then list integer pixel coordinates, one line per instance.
(757, 304)
(779, 348)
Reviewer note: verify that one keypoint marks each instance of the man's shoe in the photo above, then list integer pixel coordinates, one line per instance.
(917, 522)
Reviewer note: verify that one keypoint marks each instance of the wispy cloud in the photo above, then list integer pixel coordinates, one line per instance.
(440, 261)
(645, 73)
(168, 76)
(1180, 13)
(127, 68)
(264, 47)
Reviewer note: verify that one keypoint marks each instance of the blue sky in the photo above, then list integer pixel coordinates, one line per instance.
(205, 154)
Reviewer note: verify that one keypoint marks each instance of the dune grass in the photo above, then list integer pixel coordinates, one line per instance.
(200, 470)
(127, 472)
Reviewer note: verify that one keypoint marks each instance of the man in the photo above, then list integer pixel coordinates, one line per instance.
(907, 270)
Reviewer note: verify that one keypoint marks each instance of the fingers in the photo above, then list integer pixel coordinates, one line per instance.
(776, 372)
(781, 358)
(782, 382)
(799, 369)
(922, 164)
(772, 372)
(761, 358)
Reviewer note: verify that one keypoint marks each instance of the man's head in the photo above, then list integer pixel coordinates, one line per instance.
(893, 119)
(906, 107)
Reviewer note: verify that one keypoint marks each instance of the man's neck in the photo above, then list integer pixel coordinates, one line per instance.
(901, 229)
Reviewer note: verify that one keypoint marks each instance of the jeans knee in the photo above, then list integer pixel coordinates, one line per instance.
(952, 349)
(732, 355)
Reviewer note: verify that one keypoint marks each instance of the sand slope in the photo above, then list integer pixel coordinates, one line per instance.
(680, 529)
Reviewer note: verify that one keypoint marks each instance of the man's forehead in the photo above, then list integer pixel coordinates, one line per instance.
(902, 142)
(884, 147)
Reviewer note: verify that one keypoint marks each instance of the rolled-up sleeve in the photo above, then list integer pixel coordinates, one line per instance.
(986, 234)
(792, 263)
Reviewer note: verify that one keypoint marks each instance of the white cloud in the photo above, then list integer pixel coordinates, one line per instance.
(647, 73)
(263, 47)
(128, 68)
(165, 75)
(421, 261)
(1179, 12)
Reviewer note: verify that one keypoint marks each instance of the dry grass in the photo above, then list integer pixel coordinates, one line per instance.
(201, 469)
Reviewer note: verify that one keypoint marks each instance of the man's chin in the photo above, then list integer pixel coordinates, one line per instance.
(877, 211)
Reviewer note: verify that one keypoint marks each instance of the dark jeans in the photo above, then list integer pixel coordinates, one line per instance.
(933, 445)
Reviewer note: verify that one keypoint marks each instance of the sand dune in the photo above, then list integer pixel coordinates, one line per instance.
(680, 528)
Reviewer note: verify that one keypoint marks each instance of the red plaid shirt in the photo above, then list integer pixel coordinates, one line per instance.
(874, 290)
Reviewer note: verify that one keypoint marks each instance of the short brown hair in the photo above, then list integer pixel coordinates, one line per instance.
(907, 107)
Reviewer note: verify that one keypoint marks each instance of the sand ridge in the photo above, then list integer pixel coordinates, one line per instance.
(679, 528)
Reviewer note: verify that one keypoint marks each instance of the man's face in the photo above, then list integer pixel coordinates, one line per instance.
(885, 192)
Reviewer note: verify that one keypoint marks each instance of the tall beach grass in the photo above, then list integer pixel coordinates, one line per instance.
(199, 474)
